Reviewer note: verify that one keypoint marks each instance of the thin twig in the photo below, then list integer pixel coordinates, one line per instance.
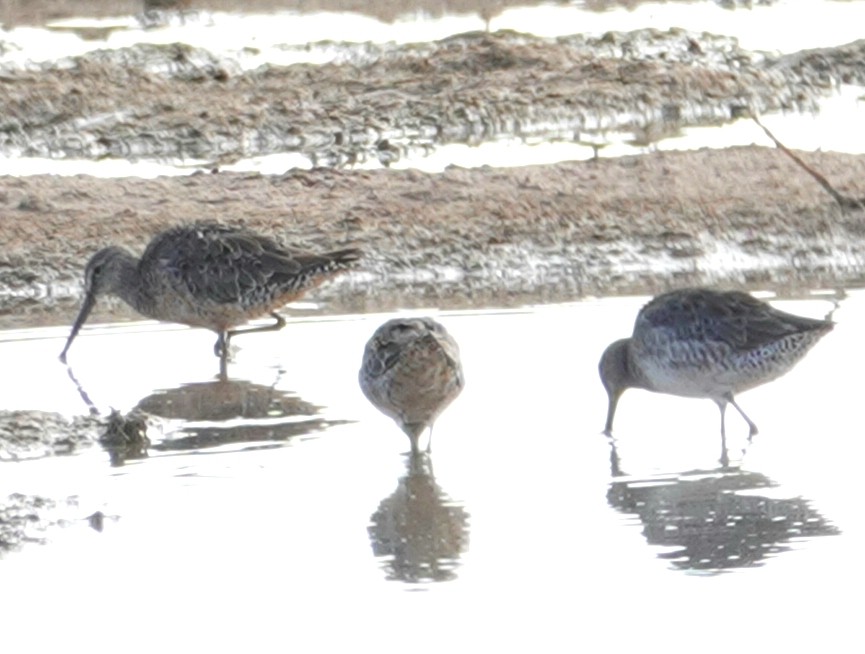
(842, 200)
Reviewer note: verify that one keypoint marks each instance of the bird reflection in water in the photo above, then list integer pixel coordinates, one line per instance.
(249, 413)
(209, 414)
(125, 436)
(714, 520)
(418, 532)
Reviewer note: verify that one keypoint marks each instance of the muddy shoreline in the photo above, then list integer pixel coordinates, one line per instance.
(743, 217)
(381, 103)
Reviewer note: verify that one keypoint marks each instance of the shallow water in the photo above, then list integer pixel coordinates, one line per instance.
(276, 511)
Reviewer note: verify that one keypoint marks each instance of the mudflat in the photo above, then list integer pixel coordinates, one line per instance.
(743, 217)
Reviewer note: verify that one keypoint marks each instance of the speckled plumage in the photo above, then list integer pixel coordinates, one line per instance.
(709, 344)
(411, 372)
(208, 275)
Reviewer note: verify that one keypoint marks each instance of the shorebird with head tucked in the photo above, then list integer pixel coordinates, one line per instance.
(208, 275)
(411, 372)
(707, 344)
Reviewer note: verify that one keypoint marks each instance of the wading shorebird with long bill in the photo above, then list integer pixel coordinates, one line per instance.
(208, 275)
(411, 372)
(707, 344)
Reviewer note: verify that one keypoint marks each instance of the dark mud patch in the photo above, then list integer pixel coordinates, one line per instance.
(27, 435)
(20, 520)
(125, 437)
(34, 434)
(27, 519)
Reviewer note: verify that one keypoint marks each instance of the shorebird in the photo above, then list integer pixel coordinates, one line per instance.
(411, 372)
(707, 344)
(208, 275)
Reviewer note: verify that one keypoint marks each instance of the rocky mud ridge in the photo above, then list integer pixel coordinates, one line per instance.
(747, 217)
(378, 102)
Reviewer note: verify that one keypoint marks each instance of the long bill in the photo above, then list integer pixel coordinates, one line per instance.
(89, 301)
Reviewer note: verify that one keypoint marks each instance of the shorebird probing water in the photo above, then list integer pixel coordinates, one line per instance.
(208, 275)
(411, 372)
(707, 344)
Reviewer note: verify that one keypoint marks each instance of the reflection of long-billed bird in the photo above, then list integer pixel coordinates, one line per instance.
(224, 400)
(411, 372)
(419, 532)
(208, 275)
(715, 519)
(709, 344)
(227, 412)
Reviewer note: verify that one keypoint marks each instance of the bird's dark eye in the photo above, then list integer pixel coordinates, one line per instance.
(94, 274)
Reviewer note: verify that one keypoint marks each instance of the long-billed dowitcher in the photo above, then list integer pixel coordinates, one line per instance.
(707, 344)
(208, 275)
(411, 372)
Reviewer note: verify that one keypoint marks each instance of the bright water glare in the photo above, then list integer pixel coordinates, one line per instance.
(299, 526)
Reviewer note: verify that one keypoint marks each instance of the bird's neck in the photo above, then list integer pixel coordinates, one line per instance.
(636, 377)
(128, 286)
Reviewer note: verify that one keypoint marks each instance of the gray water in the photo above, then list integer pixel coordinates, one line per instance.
(295, 528)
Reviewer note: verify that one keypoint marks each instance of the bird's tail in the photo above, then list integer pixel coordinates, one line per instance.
(342, 259)
(316, 268)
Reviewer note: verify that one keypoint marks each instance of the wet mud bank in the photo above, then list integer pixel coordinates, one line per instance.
(34, 434)
(380, 102)
(744, 217)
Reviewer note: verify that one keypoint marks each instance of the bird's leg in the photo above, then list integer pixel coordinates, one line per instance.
(429, 442)
(611, 412)
(722, 405)
(413, 430)
(751, 426)
(220, 348)
(223, 368)
(276, 326)
(615, 461)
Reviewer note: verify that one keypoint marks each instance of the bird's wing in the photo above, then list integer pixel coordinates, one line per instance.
(385, 355)
(223, 264)
(731, 319)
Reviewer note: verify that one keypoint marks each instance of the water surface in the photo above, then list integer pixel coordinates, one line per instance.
(278, 511)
